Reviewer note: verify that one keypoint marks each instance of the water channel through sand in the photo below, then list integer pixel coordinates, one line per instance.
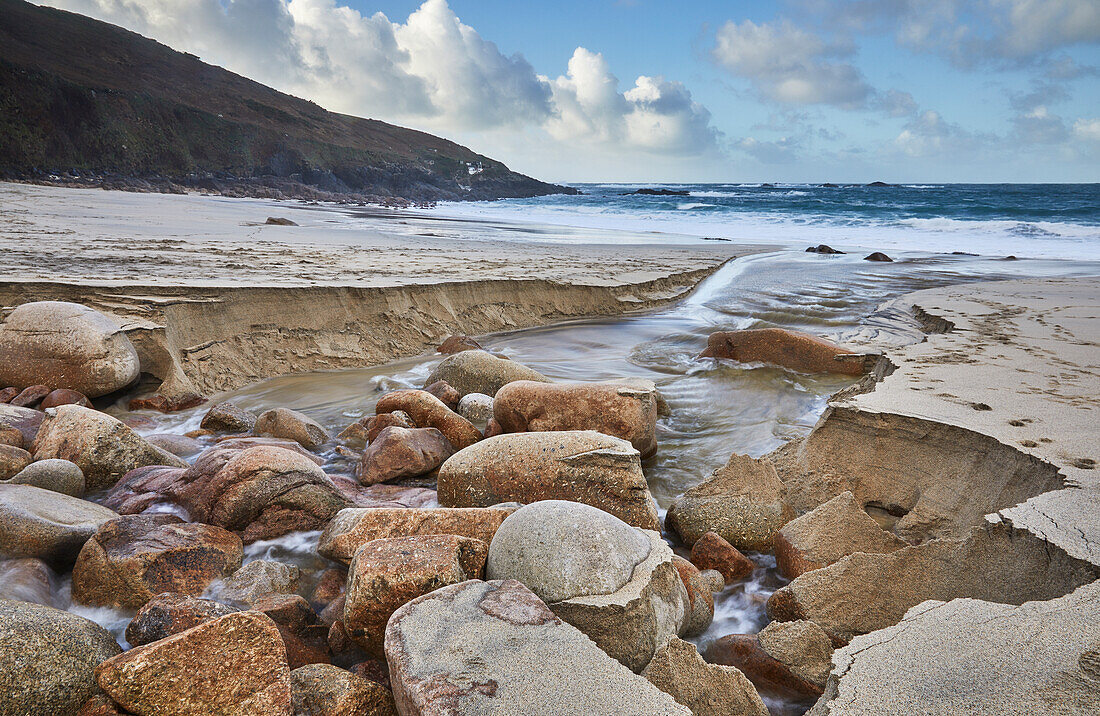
(716, 408)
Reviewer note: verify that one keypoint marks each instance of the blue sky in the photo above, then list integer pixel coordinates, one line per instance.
(640, 90)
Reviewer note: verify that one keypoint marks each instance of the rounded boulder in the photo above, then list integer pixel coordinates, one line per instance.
(65, 345)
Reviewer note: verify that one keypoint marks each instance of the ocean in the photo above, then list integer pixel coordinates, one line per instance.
(1052, 221)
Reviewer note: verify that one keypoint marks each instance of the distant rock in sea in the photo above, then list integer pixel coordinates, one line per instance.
(879, 183)
(822, 249)
(659, 192)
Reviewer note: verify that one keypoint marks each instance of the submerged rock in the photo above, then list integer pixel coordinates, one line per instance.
(706, 689)
(354, 527)
(65, 345)
(829, 533)
(788, 349)
(291, 425)
(428, 411)
(387, 573)
(822, 249)
(877, 256)
(476, 371)
(26, 579)
(398, 453)
(47, 657)
(178, 445)
(235, 664)
(627, 411)
(581, 466)
(528, 660)
(45, 524)
(101, 446)
(131, 559)
(742, 502)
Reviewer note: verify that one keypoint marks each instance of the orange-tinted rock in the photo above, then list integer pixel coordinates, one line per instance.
(446, 394)
(260, 493)
(30, 396)
(8, 393)
(387, 573)
(577, 465)
(235, 664)
(492, 428)
(131, 559)
(12, 460)
(713, 552)
(26, 420)
(101, 705)
(291, 425)
(428, 411)
(700, 599)
(457, 344)
(326, 690)
(354, 527)
(329, 586)
(400, 452)
(304, 635)
(765, 671)
(624, 410)
(171, 613)
(778, 346)
(63, 396)
(11, 436)
(166, 403)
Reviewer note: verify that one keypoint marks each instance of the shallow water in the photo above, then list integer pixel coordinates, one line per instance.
(717, 408)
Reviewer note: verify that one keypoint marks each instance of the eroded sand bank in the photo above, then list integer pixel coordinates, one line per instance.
(990, 423)
(215, 299)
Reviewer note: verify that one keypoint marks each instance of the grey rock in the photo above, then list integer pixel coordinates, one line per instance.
(561, 550)
(495, 648)
(55, 475)
(714, 579)
(291, 425)
(47, 658)
(969, 656)
(102, 447)
(481, 372)
(257, 580)
(178, 445)
(65, 345)
(476, 407)
(227, 417)
(45, 524)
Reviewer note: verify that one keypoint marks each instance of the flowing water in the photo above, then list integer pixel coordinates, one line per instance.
(717, 408)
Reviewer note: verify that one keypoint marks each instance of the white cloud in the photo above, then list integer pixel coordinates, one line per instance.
(431, 71)
(1087, 130)
(788, 65)
(928, 134)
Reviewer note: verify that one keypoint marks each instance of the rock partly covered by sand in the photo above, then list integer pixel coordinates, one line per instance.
(829, 533)
(65, 345)
(529, 661)
(706, 689)
(477, 371)
(47, 657)
(789, 349)
(625, 410)
(582, 466)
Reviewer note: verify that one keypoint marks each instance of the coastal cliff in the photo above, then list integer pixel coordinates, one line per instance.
(86, 103)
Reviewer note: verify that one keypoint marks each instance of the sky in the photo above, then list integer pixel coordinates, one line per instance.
(648, 90)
